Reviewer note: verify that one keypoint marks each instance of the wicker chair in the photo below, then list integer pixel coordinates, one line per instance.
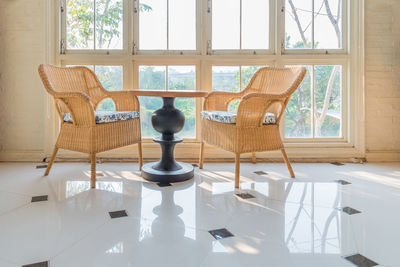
(269, 91)
(77, 93)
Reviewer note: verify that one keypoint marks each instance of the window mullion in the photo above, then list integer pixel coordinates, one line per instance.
(240, 37)
(312, 25)
(167, 25)
(94, 24)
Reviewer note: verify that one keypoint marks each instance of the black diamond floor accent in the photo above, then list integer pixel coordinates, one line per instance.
(195, 165)
(117, 214)
(40, 198)
(343, 182)
(38, 264)
(349, 210)
(360, 260)
(163, 184)
(99, 174)
(245, 195)
(43, 166)
(261, 172)
(220, 233)
(337, 163)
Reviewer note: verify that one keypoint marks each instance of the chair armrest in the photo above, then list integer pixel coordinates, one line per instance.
(124, 100)
(254, 106)
(220, 100)
(79, 106)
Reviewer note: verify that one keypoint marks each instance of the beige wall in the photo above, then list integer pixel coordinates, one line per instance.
(382, 79)
(23, 99)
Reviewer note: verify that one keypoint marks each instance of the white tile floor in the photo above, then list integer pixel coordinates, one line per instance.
(288, 223)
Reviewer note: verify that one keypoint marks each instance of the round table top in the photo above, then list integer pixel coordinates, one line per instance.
(171, 93)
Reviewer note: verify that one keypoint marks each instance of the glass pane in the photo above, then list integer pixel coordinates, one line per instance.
(298, 120)
(328, 101)
(181, 78)
(111, 79)
(226, 78)
(150, 77)
(79, 20)
(298, 24)
(255, 24)
(225, 24)
(184, 78)
(109, 24)
(182, 25)
(248, 73)
(153, 24)
(328, 24)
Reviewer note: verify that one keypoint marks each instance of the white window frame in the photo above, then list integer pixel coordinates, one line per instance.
(135, 35)
(351, 58)
(312, 51)
(63, 49)
(254, 52)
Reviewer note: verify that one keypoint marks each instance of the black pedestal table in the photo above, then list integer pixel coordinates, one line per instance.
(168, 121)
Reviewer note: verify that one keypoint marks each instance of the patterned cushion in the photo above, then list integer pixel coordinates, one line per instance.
(109, 116)
(230, 117)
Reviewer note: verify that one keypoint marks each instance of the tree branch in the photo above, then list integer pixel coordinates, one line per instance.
(296, 19)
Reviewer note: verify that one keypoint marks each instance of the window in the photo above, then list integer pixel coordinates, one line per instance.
(313, 24)
(167, 25)
(315, 109)
(94, 24)
(240, 24)
(168, 78)
(218, 45)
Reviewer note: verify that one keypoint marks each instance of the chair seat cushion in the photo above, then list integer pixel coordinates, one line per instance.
(109, 116)
(230, 117)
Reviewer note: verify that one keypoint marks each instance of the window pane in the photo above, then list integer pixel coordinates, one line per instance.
(298, 120)
(150, 77)
(109, 24)
(255, 24)
(79, 22)
(225, 24)
(181, 78)
(226, 78)
(182, 25)
(298, 24)
(153, 24)
(111, 79)
(328, 99)
(328, 24)
(184, 78)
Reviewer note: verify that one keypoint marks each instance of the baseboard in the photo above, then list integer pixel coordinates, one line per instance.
(22, 155)
(383, 156)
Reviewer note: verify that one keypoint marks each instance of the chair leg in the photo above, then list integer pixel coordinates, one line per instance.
(201, 155)
(237, 169)
(93, 170)
(287, 162)
(140, 155)
(253, 158)
(53, 157)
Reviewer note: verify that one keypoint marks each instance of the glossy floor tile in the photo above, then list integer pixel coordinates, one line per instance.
(274, 220)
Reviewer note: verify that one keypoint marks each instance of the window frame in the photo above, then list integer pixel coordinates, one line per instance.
(63, 49)
(253, 52)
(312, 51)
(135, 35)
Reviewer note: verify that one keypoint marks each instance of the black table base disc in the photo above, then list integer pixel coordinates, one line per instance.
(186, 172)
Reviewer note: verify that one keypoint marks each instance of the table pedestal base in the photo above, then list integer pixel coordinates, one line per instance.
(186, 172)
(167, 120)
